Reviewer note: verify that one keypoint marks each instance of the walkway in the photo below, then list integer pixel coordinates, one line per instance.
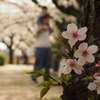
(15, 84)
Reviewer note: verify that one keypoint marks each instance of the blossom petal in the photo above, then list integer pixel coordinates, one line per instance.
(81, 60)
(72, 42)
(90, 58)
(72, 27)
(81, 37)
(67, 70)
(63, 62)
(69, 61)
(98, 90)
(92, 49)
(77, 53)
(83, 46)
(82, 30)
(66, 34)
(92, 86)
(78, 69)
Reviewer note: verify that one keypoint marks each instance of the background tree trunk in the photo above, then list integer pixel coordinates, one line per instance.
(10, 56)
(11, 52)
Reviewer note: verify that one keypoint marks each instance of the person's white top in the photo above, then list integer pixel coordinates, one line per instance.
(42, 39)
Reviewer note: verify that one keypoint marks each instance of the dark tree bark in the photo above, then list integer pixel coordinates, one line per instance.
(10, 55)
(71, 10)
(11, 52)
(91, 18)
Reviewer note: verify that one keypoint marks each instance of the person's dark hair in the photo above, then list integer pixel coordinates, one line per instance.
(45, 16)
(44, 7)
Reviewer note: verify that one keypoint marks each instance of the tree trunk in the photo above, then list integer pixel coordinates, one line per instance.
(10, 55)
(77, 90)
(11, 52)
(91, 18)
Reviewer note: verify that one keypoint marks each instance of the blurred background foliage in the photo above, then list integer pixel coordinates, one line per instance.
(17, 20)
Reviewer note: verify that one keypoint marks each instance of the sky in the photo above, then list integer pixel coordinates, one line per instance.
(2, 46)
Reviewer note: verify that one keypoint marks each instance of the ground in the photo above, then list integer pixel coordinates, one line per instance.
(15, 84)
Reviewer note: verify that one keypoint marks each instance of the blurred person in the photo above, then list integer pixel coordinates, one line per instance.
(43, 46)
(43, 12)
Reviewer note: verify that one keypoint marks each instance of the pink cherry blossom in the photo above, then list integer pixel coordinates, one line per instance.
(97, 65)
(70, 65)
(84, 53)
(96, 74)
(74, 34)
(95, 86)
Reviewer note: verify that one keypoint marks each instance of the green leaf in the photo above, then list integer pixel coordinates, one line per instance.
(66, 78)
(65, 42)
(42, 70)
(45, 84)
(59, 79)
(44, 91)
(86, 78)
(38, 73)
(64, 55)
(48, 83)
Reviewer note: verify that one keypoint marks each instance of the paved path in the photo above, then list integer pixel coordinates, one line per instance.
(15, 84)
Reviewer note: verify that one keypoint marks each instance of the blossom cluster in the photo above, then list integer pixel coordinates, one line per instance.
(81, 56)
(95, 85)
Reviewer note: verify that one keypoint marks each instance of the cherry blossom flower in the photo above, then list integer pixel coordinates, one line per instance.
(84, 53)
(98, 65)
(95, 86)
(96, 74)
(71, 64)
(74, 34)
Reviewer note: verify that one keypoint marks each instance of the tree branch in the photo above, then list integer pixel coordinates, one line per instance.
(69, 10)
(36, 2)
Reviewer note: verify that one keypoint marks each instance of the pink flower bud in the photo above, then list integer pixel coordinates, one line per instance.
(97, 65)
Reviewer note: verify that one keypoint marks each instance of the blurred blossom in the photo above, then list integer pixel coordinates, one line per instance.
(7, 40)
(18, 52)
(23, 46)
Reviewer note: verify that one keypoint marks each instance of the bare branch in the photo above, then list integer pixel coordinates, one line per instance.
(69, 10)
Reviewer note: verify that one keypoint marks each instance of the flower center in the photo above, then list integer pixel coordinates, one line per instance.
(75, 35)
(72, 64)
(85, 53)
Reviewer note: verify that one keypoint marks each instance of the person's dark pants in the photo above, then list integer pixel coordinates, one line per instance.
(43, 60)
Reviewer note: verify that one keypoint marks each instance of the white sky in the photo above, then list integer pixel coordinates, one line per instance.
(2, 46)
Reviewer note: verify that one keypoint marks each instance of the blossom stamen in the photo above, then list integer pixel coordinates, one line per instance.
(72, 64)
(75, 35)
(84, 53)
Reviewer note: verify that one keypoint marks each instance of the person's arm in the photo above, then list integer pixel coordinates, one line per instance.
(40, 28)
(50, 29)
(37, 30)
